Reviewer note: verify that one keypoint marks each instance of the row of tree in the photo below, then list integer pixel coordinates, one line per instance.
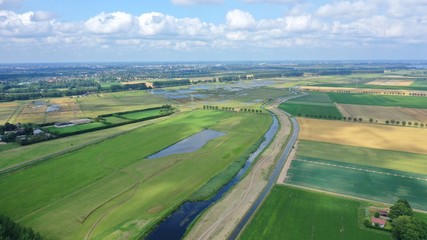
(9, 230)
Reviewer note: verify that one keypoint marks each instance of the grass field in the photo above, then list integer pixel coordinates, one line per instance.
(44, 149)
(360, 181)
(379, 100)
(310, 110)
(395, 138)
(395, 160)
(141, 114)
(296, 214)
(74, 128)
(417, 85)
(112, 183)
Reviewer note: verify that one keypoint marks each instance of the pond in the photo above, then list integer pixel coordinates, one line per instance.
(190, 144)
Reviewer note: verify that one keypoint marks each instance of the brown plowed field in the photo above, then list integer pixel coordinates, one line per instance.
(383, 113)
(406, 139)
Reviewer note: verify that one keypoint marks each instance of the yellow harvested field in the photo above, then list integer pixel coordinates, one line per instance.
(7, 109)
(383, 113)
(406, 139)
(49, 110)
(385, 82)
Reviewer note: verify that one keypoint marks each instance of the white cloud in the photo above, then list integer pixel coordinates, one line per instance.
(345, 9)
(194, 2)
(110, 22)
(238, 19)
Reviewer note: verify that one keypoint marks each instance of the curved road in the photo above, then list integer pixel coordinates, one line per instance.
(272, 180)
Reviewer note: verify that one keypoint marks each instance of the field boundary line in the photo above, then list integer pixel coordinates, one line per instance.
(360, 169)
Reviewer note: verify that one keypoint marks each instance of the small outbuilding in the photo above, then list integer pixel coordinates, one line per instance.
(378, 222)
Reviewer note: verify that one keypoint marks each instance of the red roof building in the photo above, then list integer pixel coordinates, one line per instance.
(378, 221)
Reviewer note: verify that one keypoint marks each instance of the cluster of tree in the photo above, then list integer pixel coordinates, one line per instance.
(210, 107)
(404, 123)
(405, 225)
(228, 78)
(251, 110)
(171, 83)
(321, 116)
(9, 131)
(125, 87)
(9, 230)
(355, 119)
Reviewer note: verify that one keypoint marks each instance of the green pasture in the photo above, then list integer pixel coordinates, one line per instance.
(313, 97)
(297, 214)
(104, 103)
(112, 183)
(379, 100)
(141, 114)
(347, 179)
(74, 128)
(310, 110)
(395, 160)
(45, 149)
(417, 85)
(8, 146)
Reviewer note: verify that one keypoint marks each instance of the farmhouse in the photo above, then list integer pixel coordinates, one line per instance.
(378, 222)
(383, 213)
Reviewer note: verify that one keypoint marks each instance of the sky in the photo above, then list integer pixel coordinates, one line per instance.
(211, 30)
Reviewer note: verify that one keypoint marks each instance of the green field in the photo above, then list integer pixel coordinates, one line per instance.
(75, 128)
(372, 183)
(8, 146)
(313, 97)
(141, 114)
(311, 110)
(379, 100)
(417, 85)
(296, 214)
(112, 182)
(395, 160)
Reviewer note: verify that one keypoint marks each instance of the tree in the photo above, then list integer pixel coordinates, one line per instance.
(371, 120)
(409, 228)
(401, 208)
(387, 122)
(404, 123)
(360, 119)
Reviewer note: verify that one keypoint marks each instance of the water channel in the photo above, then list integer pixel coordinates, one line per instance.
(176, 224)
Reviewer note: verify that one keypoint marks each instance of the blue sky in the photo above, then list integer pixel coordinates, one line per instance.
(192, 30)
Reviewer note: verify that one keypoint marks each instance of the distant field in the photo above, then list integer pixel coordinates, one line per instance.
(355, 180)
(314, 97)
(104, 103)
(72, 192)
(290, 213)
(401, 161)
(379, 100)
(310, 110)
(6, 110)
(406, 139)
(381, 114)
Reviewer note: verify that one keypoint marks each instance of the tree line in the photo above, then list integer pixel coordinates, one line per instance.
(9, 230)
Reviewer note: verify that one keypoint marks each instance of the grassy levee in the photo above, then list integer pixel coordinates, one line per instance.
(297, 214)
(360, 181)
(108, 190)
(379, 100)
(396, 160)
